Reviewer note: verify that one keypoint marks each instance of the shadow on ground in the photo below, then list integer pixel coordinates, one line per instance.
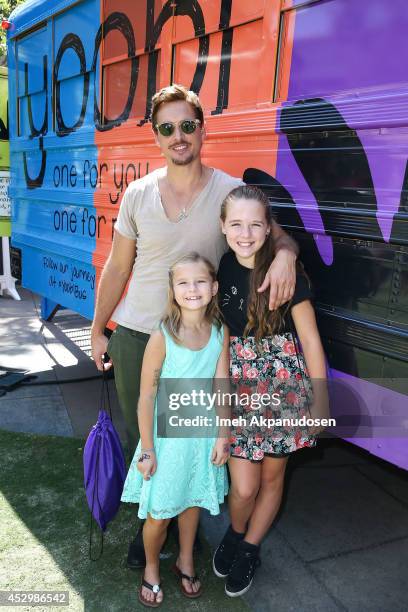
(45, 537)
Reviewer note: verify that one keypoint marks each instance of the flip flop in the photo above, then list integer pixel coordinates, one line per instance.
(191, 579)
(156, 588)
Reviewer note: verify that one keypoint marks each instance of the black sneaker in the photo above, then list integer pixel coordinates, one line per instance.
(136, 558)
(243, 569)
(225, 554)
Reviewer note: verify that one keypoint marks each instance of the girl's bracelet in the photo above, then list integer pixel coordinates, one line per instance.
(147, 450)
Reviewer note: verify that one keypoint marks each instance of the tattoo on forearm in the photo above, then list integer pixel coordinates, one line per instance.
(156, 377)
(226, 448)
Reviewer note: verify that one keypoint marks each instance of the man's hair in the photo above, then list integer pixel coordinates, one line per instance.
(173, 93)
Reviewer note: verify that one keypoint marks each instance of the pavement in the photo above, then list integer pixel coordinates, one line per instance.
(340, 541)
(58, 354)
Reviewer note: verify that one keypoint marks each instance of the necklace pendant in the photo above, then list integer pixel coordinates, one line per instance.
(182, 215)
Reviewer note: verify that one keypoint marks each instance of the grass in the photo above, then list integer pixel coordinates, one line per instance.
(44, 540)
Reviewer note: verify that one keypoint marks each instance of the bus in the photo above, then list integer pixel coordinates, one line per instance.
(5, 227)
(306, 98)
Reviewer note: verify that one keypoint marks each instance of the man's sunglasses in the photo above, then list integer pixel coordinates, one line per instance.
(188, 126)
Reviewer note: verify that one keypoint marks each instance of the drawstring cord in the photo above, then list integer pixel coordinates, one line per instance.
(104, 403)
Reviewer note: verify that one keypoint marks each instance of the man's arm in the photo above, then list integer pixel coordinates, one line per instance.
(149, 380)
(115, 275)
(283, 241)
(281, 276)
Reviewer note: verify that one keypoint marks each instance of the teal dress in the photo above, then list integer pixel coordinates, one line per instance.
(185, 476)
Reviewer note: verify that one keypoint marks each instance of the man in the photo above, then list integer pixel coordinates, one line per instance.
(169, 212)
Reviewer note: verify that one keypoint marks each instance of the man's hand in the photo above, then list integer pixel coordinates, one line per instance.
(280, 278)
(99, 344)
(115, 274)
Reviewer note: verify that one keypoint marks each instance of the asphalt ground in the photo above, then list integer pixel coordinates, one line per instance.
(340, 541)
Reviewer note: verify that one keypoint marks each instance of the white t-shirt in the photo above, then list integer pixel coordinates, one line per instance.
(161, 242)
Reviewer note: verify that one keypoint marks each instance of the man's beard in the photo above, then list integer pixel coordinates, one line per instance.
(186, 160)
(183, 162)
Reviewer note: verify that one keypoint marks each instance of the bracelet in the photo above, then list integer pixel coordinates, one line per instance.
(147, 450)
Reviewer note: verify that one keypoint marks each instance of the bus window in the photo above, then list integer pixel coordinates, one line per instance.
(246, 54)
(130, 58)
(119, 88)
(4, 123)
(318, 26)
(210, 16)
(32, 83)
(73, 70)
(233, 52)
(138, 15)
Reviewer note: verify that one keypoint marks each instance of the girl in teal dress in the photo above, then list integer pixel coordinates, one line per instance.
(176, 476)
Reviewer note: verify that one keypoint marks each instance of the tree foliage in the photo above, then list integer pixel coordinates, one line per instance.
(6, 8)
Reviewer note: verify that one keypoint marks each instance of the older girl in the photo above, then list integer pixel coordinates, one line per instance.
(263, 359)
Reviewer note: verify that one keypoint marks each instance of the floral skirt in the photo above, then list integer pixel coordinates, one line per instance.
(272, 393)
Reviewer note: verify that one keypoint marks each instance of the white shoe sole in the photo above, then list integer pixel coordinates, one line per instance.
(216, 572)
(239, 593)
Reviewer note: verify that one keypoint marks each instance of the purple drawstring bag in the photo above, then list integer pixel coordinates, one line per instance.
(104, 468)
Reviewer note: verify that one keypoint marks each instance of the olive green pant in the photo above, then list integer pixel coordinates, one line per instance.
(126, 348)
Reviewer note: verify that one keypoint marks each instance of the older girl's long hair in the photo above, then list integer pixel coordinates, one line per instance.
(172, 317)
(261, 321)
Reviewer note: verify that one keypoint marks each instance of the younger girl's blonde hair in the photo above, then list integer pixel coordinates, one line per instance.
(172, 317)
